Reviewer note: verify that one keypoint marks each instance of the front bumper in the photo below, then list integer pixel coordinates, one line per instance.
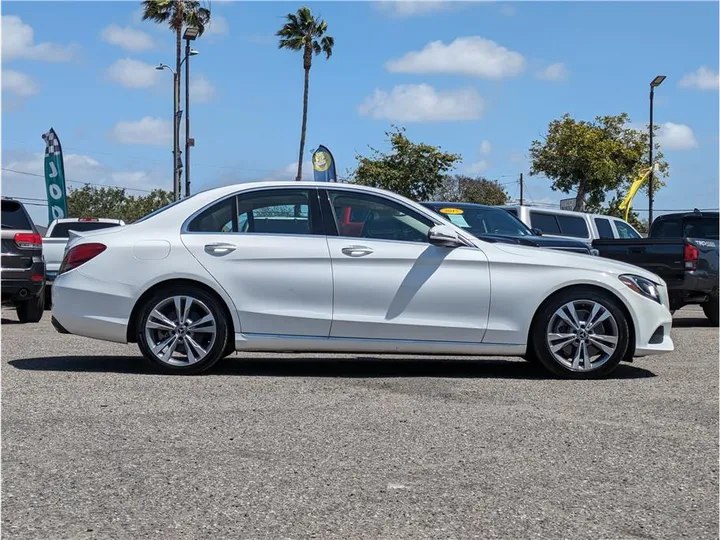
(653, 324)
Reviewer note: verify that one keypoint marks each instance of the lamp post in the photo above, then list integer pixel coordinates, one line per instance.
(191, 33)
(657, 81)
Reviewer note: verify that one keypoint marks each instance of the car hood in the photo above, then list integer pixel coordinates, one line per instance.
(576, 260)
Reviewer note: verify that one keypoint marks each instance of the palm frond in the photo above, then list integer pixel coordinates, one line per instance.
(327, 43)
(294, 44)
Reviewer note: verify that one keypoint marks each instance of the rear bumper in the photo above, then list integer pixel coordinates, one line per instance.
(22, 285)
(694, 288)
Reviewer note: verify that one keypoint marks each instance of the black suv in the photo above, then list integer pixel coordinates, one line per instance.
(23, 266)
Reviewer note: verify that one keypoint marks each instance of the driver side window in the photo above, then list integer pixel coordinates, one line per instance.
(368, 216)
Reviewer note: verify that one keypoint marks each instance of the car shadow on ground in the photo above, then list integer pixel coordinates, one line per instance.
(9, 321)
(303, 366)
(691, 322)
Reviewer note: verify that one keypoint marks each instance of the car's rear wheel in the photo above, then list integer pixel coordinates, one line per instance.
(182, 330)
(581, 334)
(711, 309)
(31, 310)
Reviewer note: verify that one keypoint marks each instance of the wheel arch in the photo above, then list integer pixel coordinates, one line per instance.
(597, 287)
(176, 282)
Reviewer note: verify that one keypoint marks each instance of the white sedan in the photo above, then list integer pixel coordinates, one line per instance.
(340, 268)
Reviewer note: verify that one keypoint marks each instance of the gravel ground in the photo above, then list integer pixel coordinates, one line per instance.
(323, 446)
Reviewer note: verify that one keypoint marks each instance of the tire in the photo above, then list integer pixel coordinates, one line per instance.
(569, 362)
(48, 298)
(31, 311)
(153, 331)
(711, 308)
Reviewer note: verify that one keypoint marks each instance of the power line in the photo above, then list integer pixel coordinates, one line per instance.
(77, 181)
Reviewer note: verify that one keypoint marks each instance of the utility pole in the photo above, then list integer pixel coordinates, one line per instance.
(521, 189)
(653, 84)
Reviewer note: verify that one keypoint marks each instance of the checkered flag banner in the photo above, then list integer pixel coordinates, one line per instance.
(52, 143)
(54, 176)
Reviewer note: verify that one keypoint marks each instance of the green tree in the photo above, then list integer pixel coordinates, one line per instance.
(414, 170)
(460, 188)
(304, 32)
(115, 203)
(594, 158)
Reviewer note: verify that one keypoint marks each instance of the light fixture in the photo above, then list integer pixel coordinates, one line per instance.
(193, 52)
(657, 81)
(191, 32)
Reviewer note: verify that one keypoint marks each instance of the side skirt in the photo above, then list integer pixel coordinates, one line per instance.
(280, 343)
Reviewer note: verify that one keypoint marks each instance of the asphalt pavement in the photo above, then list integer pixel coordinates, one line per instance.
(97, 446)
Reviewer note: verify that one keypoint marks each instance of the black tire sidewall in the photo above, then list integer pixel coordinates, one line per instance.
(32, 310)
(711, 311)
(215, 353)
(542, 350)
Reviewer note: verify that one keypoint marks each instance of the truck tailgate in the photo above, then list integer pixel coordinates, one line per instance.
(664, 257)
(53, 251)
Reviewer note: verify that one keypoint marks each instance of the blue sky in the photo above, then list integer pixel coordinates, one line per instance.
(480, 79)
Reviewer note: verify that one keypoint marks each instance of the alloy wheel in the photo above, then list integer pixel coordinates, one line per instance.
(582, 335)
(180, 330)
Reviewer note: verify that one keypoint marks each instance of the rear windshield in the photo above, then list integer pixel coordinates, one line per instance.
(62, 230)
(689, 227)
(14, 216)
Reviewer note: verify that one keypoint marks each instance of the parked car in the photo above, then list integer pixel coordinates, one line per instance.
(682, 248)
(493, 224)
(265, 267)
(23, 267)
(576, 225)
(56, 238)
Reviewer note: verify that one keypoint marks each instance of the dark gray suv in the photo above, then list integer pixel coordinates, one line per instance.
(23, 266)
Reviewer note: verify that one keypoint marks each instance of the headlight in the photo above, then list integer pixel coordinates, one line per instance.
(642, 286)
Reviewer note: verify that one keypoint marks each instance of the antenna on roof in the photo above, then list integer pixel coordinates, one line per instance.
(696, 211)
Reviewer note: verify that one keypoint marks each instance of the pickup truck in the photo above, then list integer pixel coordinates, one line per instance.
(56, 238)
(682, 249)
(23, 268)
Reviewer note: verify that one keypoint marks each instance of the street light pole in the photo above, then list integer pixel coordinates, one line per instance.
(191, 33)
(657, 81)
(176, 125)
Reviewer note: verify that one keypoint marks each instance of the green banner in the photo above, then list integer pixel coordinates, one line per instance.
(54, 177)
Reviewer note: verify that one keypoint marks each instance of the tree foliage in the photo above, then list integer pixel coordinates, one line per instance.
(177, 13)
(460, 188)
(414, 170)
(115, 203)
(594, 158)
(304, 32)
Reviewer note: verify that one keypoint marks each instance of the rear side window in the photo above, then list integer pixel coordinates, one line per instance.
(604, 228)
(545, 222)
(62, 230)
(513, 211)
(668, 228)
(573, 226)
(624, 230)
(14, 216)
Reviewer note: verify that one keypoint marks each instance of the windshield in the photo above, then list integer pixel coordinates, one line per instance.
(62, 230)
(485, 221)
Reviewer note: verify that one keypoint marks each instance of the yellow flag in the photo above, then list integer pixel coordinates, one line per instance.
(625, 205)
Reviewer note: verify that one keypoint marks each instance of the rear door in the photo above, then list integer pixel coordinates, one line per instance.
(16, 220)
(268, 250)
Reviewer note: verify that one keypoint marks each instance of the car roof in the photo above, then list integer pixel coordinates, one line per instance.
(676, 215)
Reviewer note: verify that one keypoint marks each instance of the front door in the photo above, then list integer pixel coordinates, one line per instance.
(267, 249)
(391, 283)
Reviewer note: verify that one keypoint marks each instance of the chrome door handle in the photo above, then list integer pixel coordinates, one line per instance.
(219, 249)
(357, 251)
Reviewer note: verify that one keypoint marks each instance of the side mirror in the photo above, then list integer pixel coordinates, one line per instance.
(536, 231)
(444, 236)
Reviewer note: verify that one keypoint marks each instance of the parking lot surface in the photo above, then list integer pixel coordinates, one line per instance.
(95, 445)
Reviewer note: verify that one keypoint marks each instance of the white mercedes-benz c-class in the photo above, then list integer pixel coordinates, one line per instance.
(304, 266)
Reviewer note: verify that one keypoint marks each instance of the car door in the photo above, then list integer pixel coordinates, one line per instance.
(267, 249)
(390, 283)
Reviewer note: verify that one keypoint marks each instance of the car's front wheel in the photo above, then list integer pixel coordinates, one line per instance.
(581, 334)
(182, 330)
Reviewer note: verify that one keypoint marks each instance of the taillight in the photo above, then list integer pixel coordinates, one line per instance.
(28, 240)
(691, 256)
(80, 254)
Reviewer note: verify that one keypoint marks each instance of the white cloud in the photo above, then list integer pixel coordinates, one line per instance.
(702, 79)
(128, 38)
(411, 8)
(422, 103)
(475, 56)
(133, 73)
(485, 147)
(477, 167)
(147, 131)
(201, 90)
(516, 157)
(672, 136)
(78, 169)
(18, 83)
(218, 26)
(18, 42)
(554, 72)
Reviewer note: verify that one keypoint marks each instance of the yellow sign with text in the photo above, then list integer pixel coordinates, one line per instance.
(453, 211)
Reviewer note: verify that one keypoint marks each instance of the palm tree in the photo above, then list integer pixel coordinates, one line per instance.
(303, 32)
